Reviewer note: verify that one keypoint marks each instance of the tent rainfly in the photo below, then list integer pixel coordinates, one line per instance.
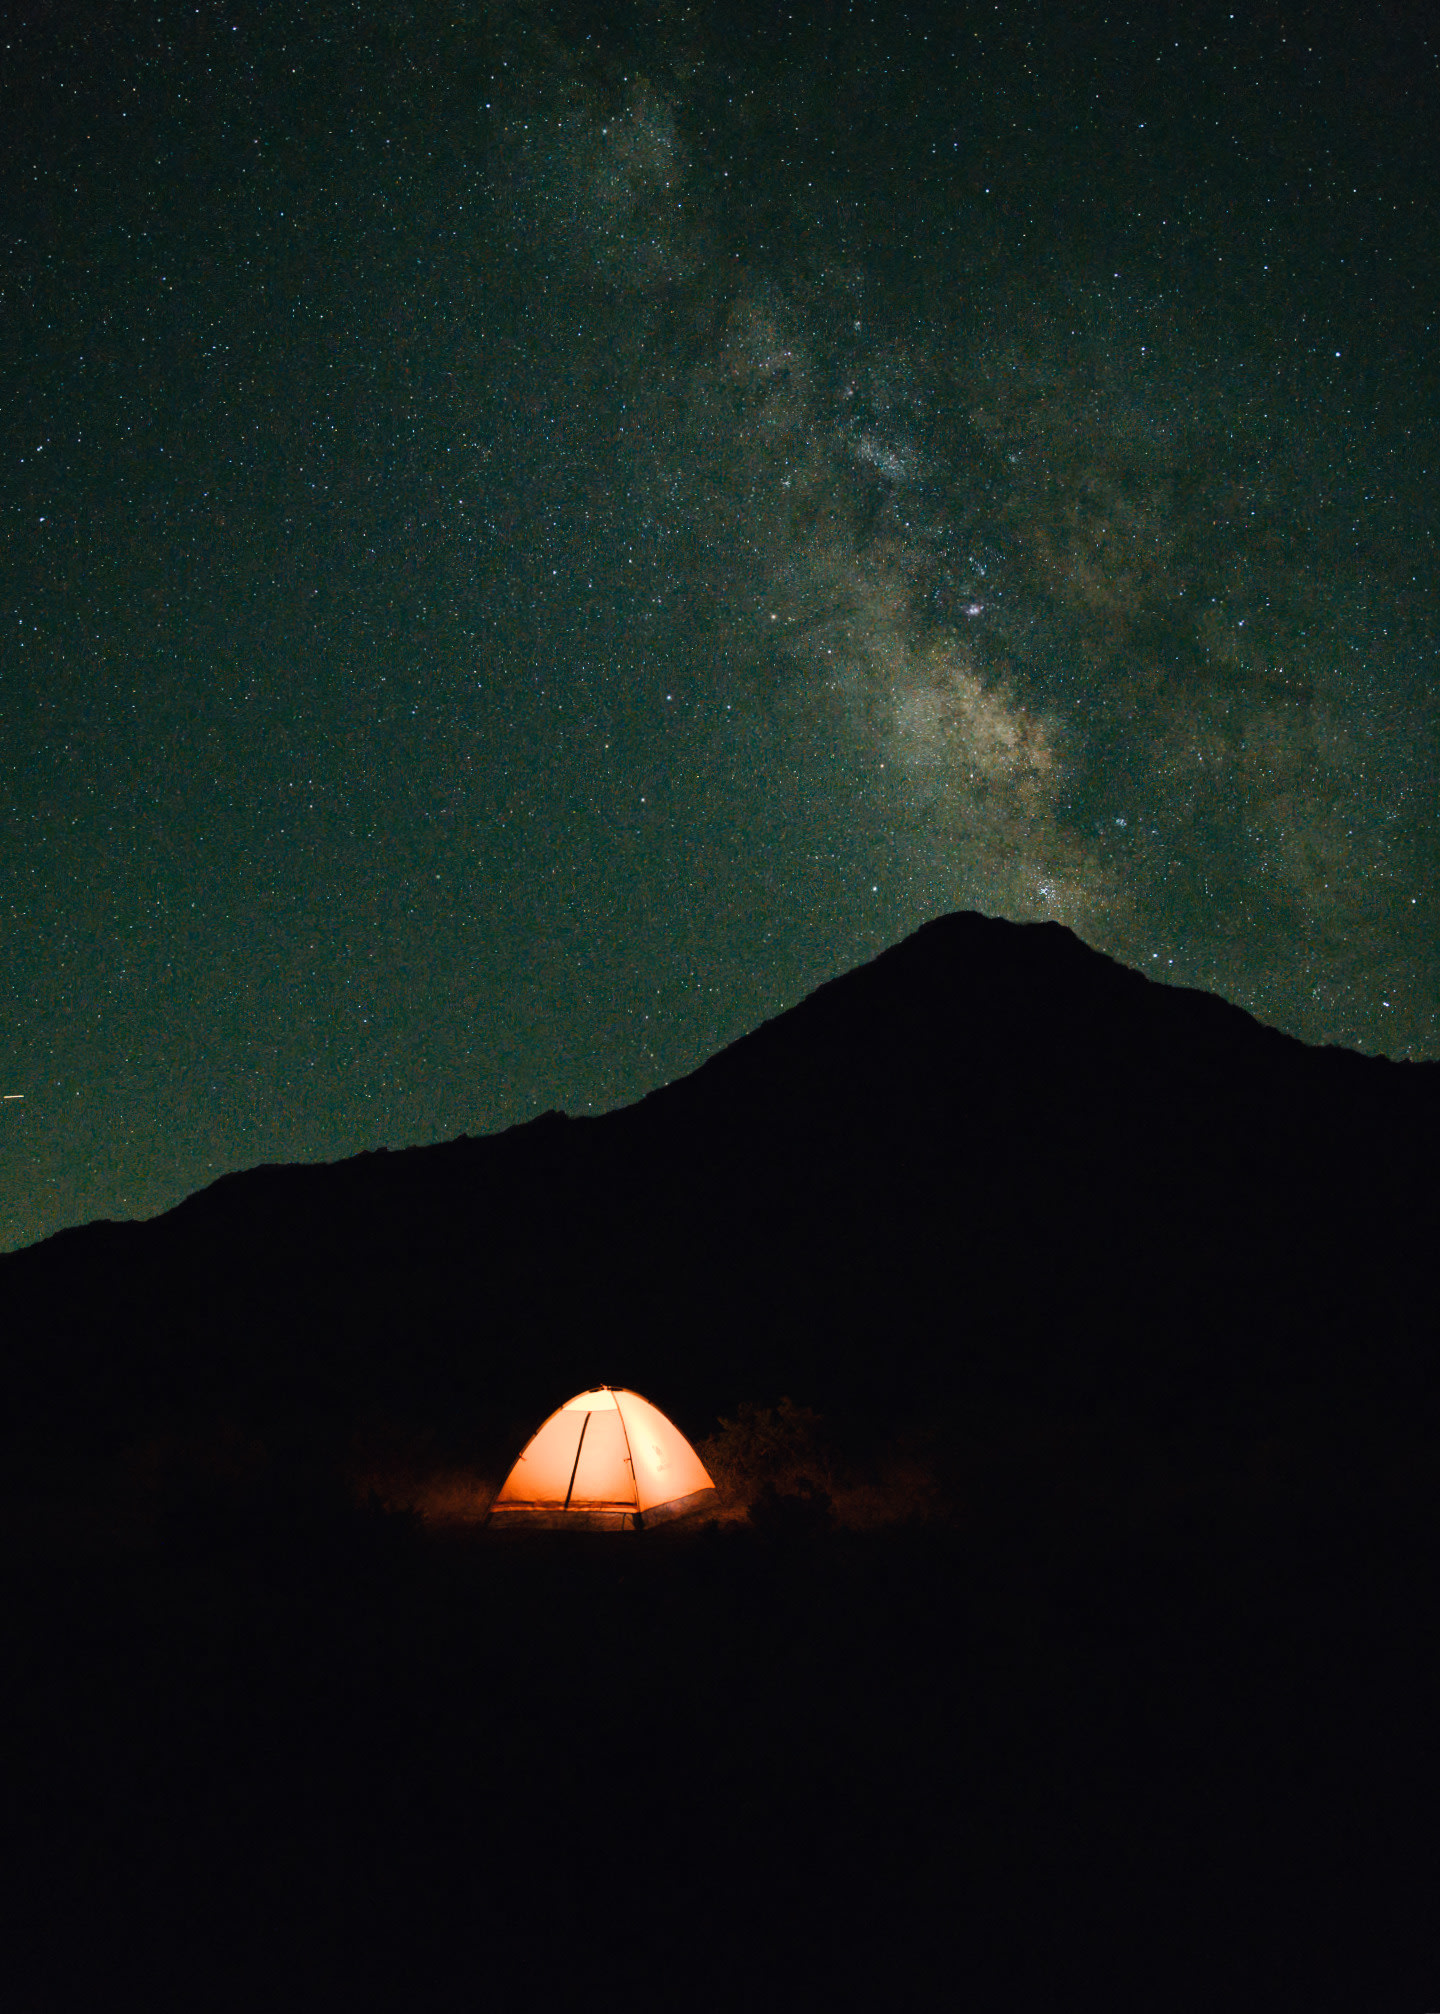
(607, 1459)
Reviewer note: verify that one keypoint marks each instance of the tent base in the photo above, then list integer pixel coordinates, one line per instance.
(550, 1517)
(678, 1507)
(594, 1517)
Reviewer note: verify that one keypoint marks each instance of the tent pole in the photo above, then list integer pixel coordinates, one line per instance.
(575, 1471)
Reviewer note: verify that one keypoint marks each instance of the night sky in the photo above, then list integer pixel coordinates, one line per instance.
(533, 536)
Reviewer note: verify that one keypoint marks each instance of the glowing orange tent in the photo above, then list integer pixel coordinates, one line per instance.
(608, 1458)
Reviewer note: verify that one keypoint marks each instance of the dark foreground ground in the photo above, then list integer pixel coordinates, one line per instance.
(345, 1761)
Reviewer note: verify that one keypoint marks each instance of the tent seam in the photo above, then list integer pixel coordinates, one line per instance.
(634, 1479)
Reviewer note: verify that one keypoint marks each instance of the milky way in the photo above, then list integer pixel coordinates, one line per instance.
(1038, 556)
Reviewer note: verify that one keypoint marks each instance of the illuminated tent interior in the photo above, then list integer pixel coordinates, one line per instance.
(606, 1459)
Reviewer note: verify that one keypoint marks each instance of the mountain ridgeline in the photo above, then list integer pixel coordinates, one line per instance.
(990, 1168)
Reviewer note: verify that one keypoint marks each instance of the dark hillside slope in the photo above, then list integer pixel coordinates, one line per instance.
(996, 1156)
(992, 1162)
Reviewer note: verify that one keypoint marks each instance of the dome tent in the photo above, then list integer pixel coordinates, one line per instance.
(607, 1459)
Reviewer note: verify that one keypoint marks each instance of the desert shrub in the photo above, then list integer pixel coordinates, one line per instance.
(768, 1447)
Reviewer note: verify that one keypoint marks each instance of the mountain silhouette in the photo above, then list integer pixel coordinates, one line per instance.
(992, 1165)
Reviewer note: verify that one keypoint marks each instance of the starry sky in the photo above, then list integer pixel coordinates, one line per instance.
(535, 535)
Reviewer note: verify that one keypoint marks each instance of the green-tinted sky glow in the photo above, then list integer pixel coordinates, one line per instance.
(533, 536)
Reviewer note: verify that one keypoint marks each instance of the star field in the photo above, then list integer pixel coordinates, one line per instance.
(534, 536)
